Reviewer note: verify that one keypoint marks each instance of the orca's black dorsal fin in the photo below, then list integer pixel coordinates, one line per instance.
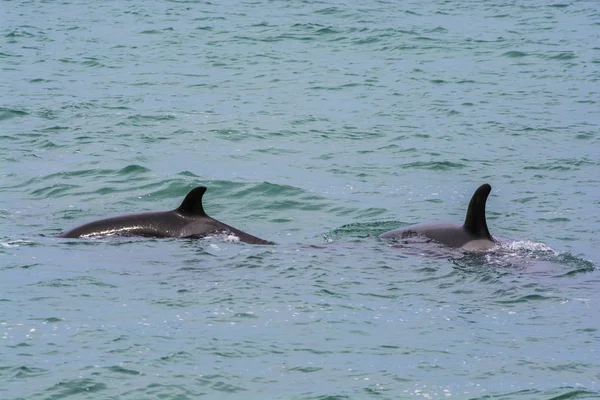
(475, 222)
(192, 204)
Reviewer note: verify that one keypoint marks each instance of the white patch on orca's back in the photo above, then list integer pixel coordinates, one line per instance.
(479, 245)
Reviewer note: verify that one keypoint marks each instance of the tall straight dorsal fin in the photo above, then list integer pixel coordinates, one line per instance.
(192, 204)
(475, 222)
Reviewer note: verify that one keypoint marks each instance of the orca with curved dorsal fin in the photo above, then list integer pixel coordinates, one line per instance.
(187, 221)
(473, 235)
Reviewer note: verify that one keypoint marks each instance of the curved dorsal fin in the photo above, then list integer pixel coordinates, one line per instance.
(192, 204)
(475, 220)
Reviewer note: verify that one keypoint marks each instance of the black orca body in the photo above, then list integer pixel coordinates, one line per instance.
(187, 221)
(473, 235)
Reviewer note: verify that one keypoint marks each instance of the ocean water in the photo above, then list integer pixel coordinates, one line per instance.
(317, 125)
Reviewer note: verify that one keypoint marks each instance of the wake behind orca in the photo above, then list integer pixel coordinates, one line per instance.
(187, 221)
(473, 235)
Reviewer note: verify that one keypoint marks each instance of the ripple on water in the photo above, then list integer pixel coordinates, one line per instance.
(8, 113)
(303, 119)
(75, 387)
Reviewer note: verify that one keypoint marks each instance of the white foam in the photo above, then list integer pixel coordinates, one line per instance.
(529, 246)
(225, 236)
(232, 238)
(13, 243)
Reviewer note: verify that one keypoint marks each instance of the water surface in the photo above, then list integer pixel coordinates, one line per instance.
(317, 125)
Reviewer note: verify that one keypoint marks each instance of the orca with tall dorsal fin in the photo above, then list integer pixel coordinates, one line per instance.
(187, 221)
(473, 235)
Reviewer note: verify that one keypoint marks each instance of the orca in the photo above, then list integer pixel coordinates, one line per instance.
(186, 221)
(473, 235)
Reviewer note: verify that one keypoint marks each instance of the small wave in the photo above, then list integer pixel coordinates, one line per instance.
(14, 243)
(367, 40)
(128, 171)
(147, 120)
(527, 298)
(7, 113)
(40, 80)
(434, 165)
(177, 356)
(515, 54)
(577, 394)
(121, 370)
(150, 32)
(561, 56)
(54, 191)
(19, 33)
(94, 63)
(338, 87)
(6, 55)
(439, 29)
(361, 230)
(328, 10)
(76, 387)
(52, 320)
(67, 60)
(326, 31)
(29, 372)
(133, 169)
(578, 264)
(55, 128)
(189, 174)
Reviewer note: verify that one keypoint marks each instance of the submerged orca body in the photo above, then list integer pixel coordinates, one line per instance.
(187, 221)
(473, 235)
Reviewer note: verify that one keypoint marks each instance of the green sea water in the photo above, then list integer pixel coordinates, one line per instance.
(318, 125)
